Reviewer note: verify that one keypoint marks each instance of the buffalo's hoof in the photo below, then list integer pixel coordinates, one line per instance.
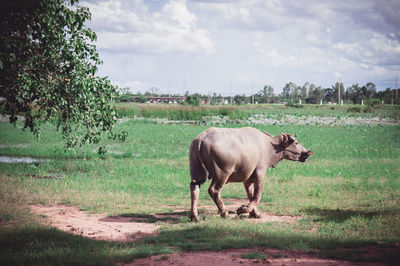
(243, 209)
(224, 214)
(254, 215)
(194, 218)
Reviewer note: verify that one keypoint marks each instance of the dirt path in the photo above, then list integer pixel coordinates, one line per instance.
(127, 227)
(133, 227)
(234, 257)
(95, 226)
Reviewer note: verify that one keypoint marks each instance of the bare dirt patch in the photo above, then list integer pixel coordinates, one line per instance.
(129, 227)
(95, 226)
(233, 204)
(234, 257)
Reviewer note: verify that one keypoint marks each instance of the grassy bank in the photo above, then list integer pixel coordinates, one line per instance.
(185, 112)
(347, 193)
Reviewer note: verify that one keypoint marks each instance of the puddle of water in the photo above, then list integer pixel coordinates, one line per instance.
(16, 159)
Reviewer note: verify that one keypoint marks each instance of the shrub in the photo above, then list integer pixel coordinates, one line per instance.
(373, 102)
(223, 111)
(354, 109)
(292, 104)
(368, 109)
(142, 99)
(253, 255)
(193, 100)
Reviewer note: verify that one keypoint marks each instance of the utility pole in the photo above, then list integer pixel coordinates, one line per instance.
(394, 90)
(252, 92)
(231, 93)
(392, 97)
(338, 93)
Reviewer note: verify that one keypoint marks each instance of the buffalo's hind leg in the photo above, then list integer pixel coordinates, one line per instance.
(194, 194)
(215, 192)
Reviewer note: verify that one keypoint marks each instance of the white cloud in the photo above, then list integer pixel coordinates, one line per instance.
(123, 26)
(206, 44)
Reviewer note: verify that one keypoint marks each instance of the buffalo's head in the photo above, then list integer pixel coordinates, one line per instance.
(291, 148)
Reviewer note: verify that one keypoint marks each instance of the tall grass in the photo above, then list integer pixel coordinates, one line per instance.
(185, 112)
(179, 112)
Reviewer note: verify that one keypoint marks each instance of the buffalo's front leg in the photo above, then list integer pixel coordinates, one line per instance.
(194, 193)
(254, 191)
(215, 192)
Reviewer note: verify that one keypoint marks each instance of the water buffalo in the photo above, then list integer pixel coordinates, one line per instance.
(238, 155)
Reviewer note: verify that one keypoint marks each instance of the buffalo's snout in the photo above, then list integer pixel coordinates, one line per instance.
(304, 155)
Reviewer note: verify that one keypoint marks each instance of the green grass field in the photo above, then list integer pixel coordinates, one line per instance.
(348, 193)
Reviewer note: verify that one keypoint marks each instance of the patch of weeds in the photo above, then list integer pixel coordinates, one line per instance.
(67, 202)
(4, 217)
(351, 255)
(306, 224)
(286, 178)
(391, 257)
(312, 252)
(316, 192)
(241, 217)
(254, 255)
(267, 199)
(164, 257)
(354, 109)
(183, 219)
(279, 255)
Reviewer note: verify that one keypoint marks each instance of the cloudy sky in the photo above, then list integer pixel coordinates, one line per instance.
(237, 47)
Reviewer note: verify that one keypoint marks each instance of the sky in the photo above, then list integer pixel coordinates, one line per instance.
(237, 47)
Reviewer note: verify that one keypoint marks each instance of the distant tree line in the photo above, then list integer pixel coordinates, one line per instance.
(313, 94)
(308, 93)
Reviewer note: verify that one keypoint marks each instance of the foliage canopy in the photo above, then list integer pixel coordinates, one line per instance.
(48, 65)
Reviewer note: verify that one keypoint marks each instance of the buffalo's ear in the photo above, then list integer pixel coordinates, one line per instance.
(291, 139)
(283, 141)
(287, 140)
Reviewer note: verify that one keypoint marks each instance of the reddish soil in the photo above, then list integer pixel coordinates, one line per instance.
(133, 227)
(234, 257)
(95, 226)
(127, 227)
(233, 204)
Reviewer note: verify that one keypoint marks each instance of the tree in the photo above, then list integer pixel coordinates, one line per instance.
(267, 93)
(48, 65)
(353, 93)
(385, 96)
(304, 90)
(290, 90)
(370, 90)
(315, 95)
(329, 95)
(270, 94)
(240, 99)
(193, 100)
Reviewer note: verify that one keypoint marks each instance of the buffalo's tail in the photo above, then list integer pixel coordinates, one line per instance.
(198, 171)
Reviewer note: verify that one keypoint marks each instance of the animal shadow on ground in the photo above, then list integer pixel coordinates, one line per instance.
(167, 217)
(338, 215)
